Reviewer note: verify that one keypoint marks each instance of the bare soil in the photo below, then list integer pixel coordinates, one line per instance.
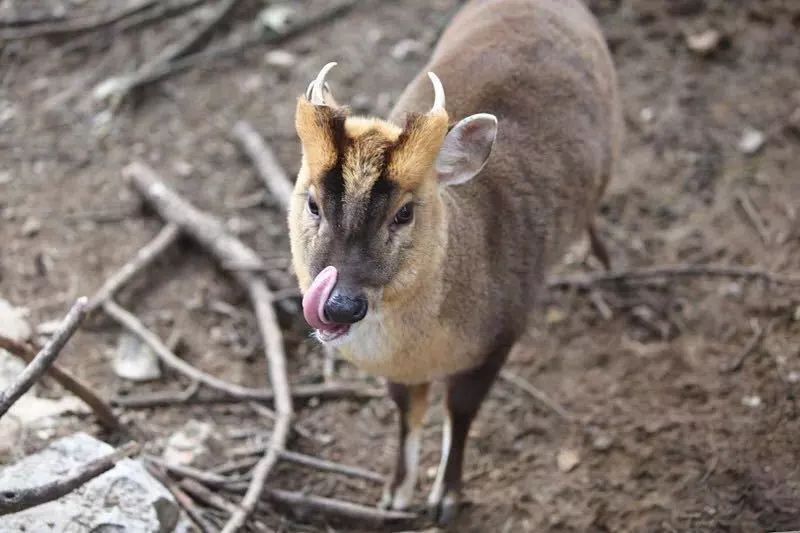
(667, 440)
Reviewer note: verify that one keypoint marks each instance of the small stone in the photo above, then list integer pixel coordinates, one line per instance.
(406, 49)
(567, 459)
(5, 177)
(281, 59)
(183, 168)
(554, 315)
(31, 227)
(13, 323)
(703, 43)
(135, 360)
(602, 442)
(751, 401)
(647, 115)
(793, 376)
(277, 17)
(751, 141)
(430, 473)
(190, 443)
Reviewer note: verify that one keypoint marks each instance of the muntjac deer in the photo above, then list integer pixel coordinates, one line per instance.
(421, 242)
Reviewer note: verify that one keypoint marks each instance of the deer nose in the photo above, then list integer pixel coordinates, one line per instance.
(344, 308)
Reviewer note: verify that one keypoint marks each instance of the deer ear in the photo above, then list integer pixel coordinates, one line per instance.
(466, 149)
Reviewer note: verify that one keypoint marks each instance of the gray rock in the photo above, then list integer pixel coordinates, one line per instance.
(134, 360)
(124, 499)
(751, 141)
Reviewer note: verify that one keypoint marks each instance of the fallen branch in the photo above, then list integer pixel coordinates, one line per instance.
(144, 257)
(159, 13)
(118, 87)
(211, 234)
(99, 407)
(45, 358)
(300, 502)
(132, 324)
(271, 172)
(201, 492)
(321, 391)
(750, 347)
(537, 394)
(586, 281)
(16, 500)
(209, 479)
(77, 25)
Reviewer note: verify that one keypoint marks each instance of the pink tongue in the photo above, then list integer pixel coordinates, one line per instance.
(315, 298)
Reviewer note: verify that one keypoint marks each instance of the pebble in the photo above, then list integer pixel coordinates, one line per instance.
(31, 227)
(751, 401)
(188, 444)
(281, 59)
(567, 459)
(5, 177)
(751, 141)
(406, 49)
(703, 43)
(602, 442)
(277, 17)
(13, 322)
(134, 360)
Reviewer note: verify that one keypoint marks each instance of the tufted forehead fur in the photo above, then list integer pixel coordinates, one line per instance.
(367, 150)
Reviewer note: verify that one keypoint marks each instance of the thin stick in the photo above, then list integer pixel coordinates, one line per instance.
(269, 169)
(159, 398)
(99, 407)
(753, 215)
(537, 394)
(132, 324)
(333, 508)
(123, 85)
(191, 40)
(750, 347)
(321, 391)
(45, 357)
(16, 500)
(586, 281)
(209, 479)
(144, 257)
(161, 12)
(78, 25)
(183, 499)
(201, 492)
(331, 466)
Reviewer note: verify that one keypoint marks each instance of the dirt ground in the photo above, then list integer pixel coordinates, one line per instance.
(666, 439)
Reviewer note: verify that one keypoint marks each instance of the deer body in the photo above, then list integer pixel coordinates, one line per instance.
(444, 293)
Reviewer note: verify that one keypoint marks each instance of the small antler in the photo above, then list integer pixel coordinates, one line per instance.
(438, 93)
(318, 87)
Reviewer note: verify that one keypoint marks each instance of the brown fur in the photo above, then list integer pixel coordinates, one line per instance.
(455, 292)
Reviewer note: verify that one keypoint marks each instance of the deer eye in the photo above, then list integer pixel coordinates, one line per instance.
(312, 207)
(404, 215)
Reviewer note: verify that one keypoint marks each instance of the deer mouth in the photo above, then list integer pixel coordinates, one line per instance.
(314, 306)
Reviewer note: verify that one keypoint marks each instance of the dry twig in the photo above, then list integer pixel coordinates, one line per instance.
(332, 508)
(587, 281)
(271, 172)
(77, 25)
(16, 500)
(144, 257)
(134, 325)
(537, 394)
(750, 347)
(45, 358)
(201, 492)
(120, 86)
(98, 406)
